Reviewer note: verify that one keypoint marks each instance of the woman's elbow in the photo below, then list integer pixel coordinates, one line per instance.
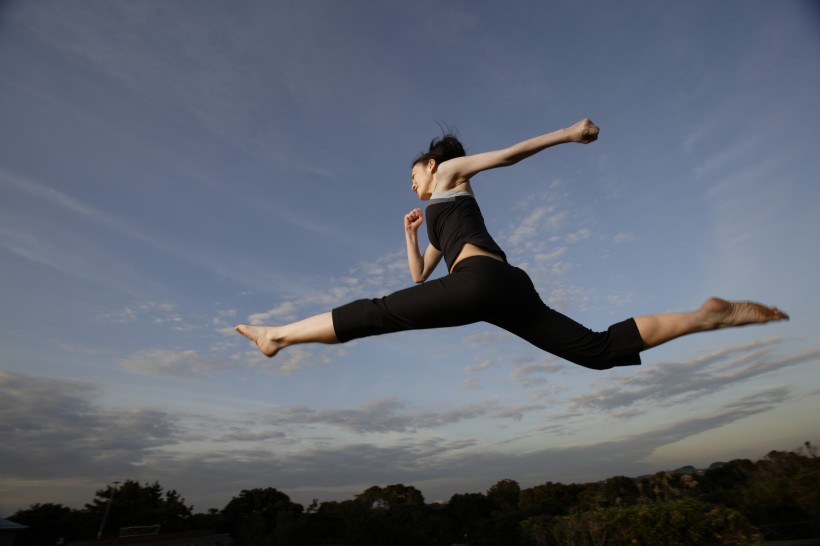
(513, 159)
(419, 278)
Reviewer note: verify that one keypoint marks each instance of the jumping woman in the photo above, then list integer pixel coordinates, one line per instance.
(482, 286)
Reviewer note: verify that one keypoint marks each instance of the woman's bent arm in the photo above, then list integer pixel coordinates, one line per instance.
(420, 265)
(457, 170)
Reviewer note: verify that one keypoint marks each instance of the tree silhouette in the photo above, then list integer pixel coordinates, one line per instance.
(135, 504)
(48, 523)
(261, 516)
(779, 494)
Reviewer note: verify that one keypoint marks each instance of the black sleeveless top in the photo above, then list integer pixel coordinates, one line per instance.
(452, 221)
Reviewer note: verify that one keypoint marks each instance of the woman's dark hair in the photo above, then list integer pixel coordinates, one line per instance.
(441, 149)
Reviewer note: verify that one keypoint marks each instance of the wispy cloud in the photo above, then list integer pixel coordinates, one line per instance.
(543, 242)
(156, 312)
(379, 416)
(622, 238)
(194, 364)
(370, 278)
(542, 216)
(671, 383)
(186, 363)
(248, 436)
(67, 203)
(72, 254)
(532, 375)
(54, 424)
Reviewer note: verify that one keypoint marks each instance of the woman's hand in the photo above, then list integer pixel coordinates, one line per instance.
(584, 132)
(412, 220)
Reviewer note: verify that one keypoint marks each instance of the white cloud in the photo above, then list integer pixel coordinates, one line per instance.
(579, 235)
(283, 312)
(543, 219)
(368, 279)
(532, 375)
(567, 297)
(488, 338)
(156, 312)
(481, 366)
(623, 238)
(185, 363)
(224, 319)
(551, 255)
(619, 300)
(294, 359)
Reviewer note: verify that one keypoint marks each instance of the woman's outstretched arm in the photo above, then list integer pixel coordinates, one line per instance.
(457, 170)
(420, 265)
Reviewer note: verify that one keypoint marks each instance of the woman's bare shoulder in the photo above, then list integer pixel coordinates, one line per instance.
(449, 178)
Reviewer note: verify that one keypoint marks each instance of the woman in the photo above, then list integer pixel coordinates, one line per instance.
(482, 286)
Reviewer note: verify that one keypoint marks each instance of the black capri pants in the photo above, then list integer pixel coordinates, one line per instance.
(489, 290)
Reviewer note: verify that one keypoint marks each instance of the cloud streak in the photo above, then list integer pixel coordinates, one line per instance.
(380, 416)
(92, 260)
(672, 383)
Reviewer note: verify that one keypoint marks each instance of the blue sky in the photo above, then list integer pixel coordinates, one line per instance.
(170, 168)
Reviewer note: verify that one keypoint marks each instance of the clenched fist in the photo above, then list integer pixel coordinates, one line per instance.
(412, 220)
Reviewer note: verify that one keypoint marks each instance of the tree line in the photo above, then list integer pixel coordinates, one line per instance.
(739, 502)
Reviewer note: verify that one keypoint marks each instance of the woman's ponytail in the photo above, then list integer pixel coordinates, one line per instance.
(441, 149)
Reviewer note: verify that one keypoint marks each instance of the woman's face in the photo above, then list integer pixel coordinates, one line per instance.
(423, 180)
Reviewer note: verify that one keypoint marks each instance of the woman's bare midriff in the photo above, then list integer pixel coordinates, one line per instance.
(469, 250)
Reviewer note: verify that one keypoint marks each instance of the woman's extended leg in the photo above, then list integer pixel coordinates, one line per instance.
(713, 314)
(453, 300)
(269, 339)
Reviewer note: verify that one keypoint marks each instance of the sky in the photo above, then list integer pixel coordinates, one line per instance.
(169, 168)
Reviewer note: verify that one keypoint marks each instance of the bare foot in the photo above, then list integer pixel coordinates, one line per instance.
(720, 313)
(263, 336)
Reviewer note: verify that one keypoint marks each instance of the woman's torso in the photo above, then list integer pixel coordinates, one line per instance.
(456, 227)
